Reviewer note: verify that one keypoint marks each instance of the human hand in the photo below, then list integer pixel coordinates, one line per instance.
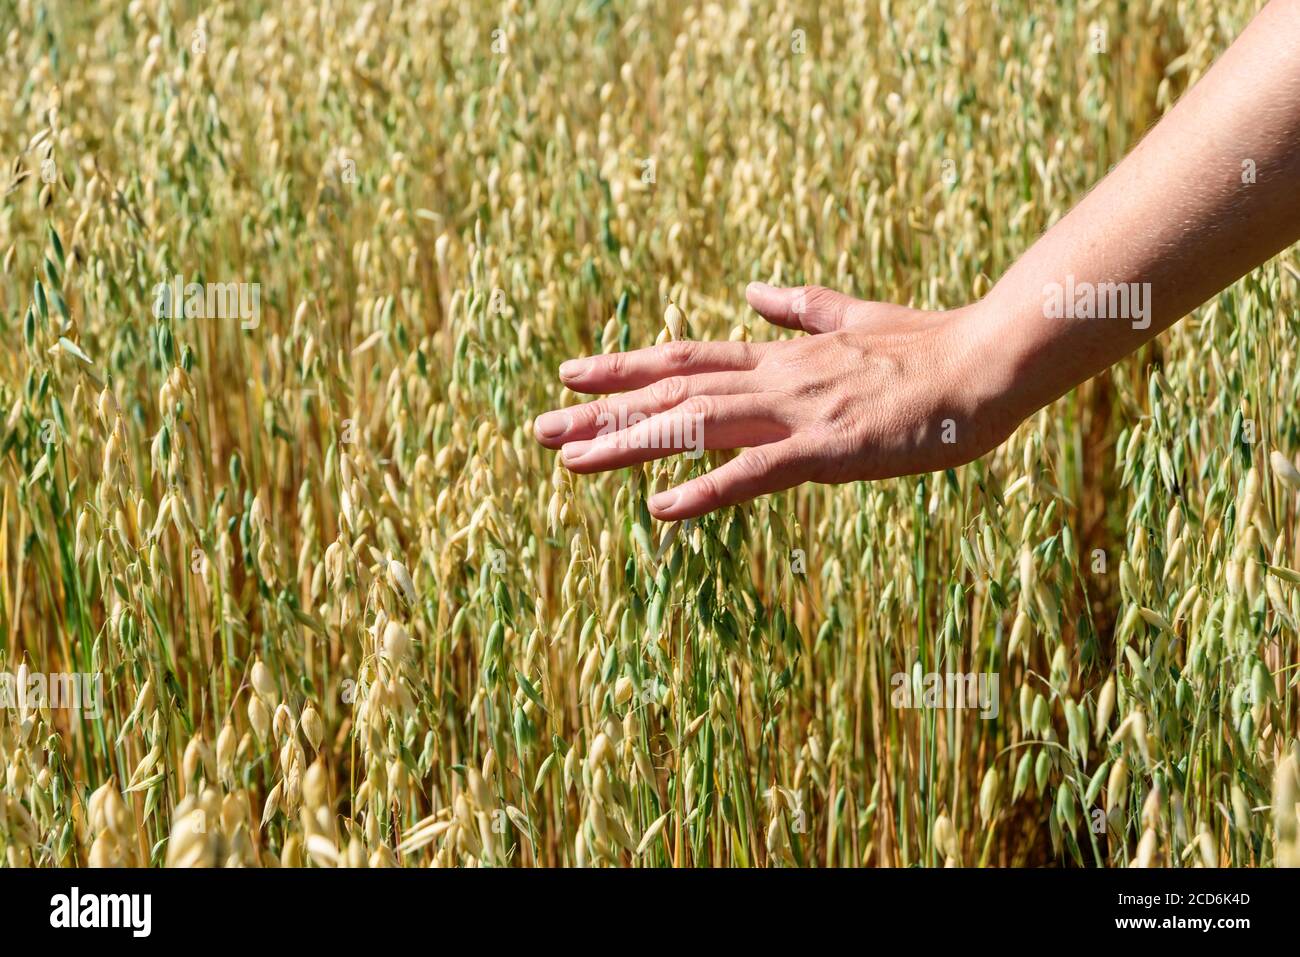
(875, 391)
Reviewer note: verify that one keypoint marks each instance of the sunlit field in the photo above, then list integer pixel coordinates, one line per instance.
(286, 580)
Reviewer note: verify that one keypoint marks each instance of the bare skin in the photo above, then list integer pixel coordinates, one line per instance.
(874, 388)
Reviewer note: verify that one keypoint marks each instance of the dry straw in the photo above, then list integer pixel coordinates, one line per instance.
(348, 613)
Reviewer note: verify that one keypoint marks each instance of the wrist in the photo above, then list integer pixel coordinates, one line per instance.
(993, 367)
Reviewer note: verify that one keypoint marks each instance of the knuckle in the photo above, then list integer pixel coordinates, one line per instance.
(615, 364)
(823, 300)
(885, 366)
(759, 461)
(680, 352)
(704, 406)
(594, 415)
(669, 392)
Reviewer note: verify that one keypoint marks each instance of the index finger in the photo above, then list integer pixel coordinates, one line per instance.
(621, 371)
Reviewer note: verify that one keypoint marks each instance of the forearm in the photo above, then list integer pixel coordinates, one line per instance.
(1174, 223)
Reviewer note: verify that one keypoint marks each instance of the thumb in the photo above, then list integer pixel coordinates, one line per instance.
(813, 309)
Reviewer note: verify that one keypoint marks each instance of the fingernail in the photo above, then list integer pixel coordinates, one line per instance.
(574, 368)
(574, 451)
(664, 500)
(553, 424)
(758, 287)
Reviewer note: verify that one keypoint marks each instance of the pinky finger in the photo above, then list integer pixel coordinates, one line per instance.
(756, 471)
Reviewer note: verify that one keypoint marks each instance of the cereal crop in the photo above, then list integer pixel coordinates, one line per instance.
(284, 285)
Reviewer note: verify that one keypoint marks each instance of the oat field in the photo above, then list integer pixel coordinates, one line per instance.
(285, 285)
